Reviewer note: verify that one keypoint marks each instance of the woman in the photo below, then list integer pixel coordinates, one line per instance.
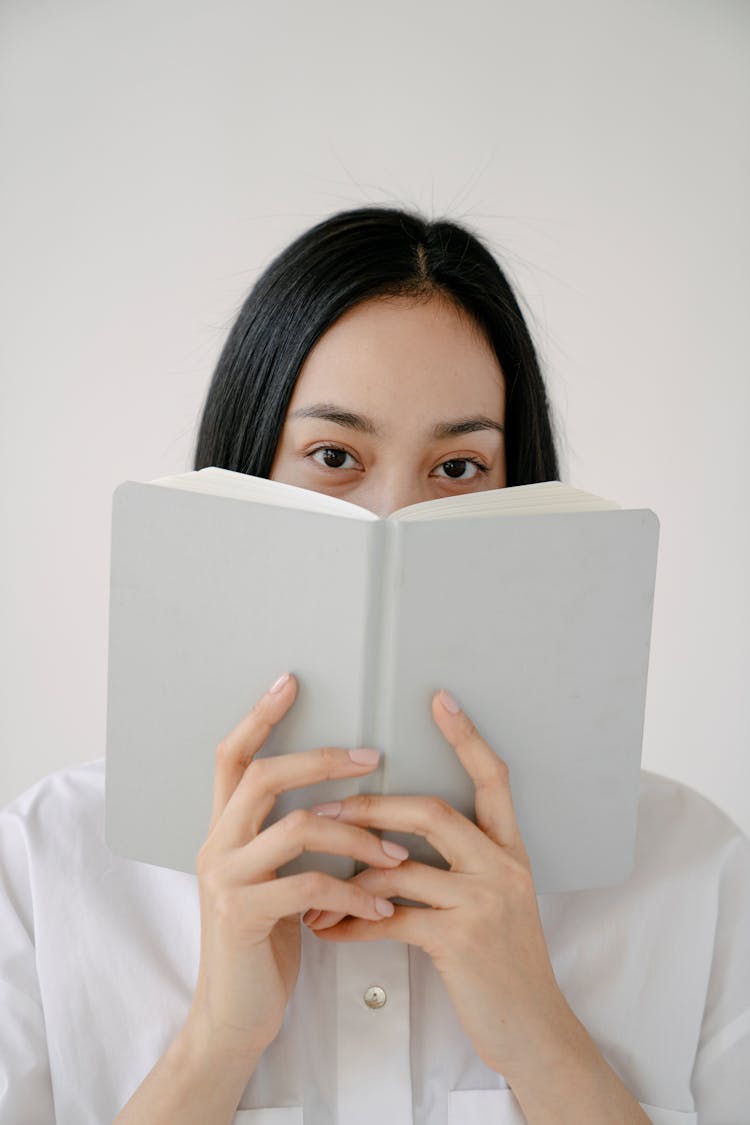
(383, 359)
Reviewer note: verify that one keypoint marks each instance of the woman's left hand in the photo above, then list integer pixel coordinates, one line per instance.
(483, 931)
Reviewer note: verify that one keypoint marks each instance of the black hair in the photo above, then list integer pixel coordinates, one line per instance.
(350, 257)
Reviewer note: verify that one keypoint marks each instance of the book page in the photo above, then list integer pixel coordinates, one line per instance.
(243, 486)
(531, 499)
(548, 496)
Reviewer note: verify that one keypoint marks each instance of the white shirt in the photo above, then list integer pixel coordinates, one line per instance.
(99, 958)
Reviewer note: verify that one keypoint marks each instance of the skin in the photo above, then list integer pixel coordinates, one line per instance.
(406, 366)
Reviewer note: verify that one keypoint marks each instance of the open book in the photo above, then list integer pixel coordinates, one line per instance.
(532, 605)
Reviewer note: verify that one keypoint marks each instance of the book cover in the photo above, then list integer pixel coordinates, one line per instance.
(539, 624)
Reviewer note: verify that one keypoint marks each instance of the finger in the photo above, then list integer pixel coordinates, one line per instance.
(493, 802)
(301, 831)
(332, 916)
(415, 881)
(461, 842)
(413, 925)
(265, 778)
(265, 903)
(237, 749)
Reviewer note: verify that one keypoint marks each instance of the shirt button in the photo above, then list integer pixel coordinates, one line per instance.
(375, 997)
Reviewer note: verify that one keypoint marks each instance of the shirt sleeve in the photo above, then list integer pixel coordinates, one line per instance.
(25, 1085)
(721, 1075)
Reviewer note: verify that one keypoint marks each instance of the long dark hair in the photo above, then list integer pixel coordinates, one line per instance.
(341, 261)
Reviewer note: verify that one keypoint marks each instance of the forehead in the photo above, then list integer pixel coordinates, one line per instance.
(400, 344)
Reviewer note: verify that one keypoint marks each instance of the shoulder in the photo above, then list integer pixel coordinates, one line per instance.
(57, 813)
(49, 835)
(53, 853)
(685, 804)
(689, 855)
(73, 786)
(682, 831)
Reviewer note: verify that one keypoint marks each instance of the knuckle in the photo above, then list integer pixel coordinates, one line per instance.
(364, 803)
(254, 772)
(518, 877)
(205, 860)
(371, 879)
(202, 864)
(313, 884)
(262, 722)
(330, 756)
(223, 752)
(211, 885)
(366, 894)
(226, 906)
(258, 717)
(210, 871)
(470, 730)
(438, 809)
(295, 823)
(503, 772)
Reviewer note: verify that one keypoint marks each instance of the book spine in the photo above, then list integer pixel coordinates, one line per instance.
(379, 651)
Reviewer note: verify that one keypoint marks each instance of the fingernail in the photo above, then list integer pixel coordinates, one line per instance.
(330, 808)
(311, 916)
(449, 702)
(364, 757)
(277, 685)
(384, 907)
(395, 850)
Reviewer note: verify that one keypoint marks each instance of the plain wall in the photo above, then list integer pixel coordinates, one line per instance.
(157, 155)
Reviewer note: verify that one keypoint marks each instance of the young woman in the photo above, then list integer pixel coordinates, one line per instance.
(383, 359)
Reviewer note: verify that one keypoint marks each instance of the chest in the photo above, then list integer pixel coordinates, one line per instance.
(118, 960)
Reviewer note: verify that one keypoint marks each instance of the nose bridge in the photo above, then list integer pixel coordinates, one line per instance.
(396, 486)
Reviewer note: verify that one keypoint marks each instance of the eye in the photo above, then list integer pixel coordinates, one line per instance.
(334, 458)
(331, 453)
(460, 463)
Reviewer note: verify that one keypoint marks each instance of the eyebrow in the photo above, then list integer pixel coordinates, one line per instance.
(331, 412)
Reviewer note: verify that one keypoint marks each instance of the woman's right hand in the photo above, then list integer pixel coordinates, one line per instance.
(250, 918)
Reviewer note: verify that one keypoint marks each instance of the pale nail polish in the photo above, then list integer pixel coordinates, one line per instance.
(330, 808)
(384, 907)
(277, 685)
(449, 702)
(364, 757)
(394, 850)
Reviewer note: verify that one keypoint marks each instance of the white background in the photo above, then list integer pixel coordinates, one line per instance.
(158, 153)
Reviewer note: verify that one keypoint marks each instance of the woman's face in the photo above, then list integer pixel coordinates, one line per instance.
(365, 419)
